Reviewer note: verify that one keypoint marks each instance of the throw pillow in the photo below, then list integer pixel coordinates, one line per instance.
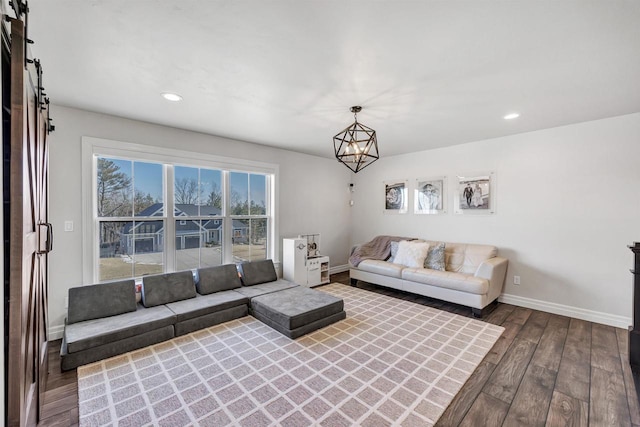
(435, 257)
(411, 254)
(394, 251)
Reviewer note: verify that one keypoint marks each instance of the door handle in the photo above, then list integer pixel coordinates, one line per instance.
(49, 237)
(45, 234)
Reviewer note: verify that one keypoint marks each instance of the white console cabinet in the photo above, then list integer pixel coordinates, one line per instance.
(300, 268)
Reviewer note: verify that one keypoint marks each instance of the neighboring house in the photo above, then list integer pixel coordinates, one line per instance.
(149, 235)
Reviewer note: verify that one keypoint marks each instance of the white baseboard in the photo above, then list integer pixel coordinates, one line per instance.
(55, 332)
(339, 269)
(566, 310)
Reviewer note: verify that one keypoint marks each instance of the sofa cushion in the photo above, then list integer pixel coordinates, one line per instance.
(256, 272)
(297, 307)
(104, 300)
(465, 258)
(205, 304)
(211, 319)
(216, 279)
(411, 254)
(302, 330)
(92, 333)
(93, 354)
(435, 257)
(165, 288)
(265, 288)
(385, 268)
(447, 279)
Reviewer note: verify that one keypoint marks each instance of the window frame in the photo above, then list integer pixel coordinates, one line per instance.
(244, 217)
(92, 148)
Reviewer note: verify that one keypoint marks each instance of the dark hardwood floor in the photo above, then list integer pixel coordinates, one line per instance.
(544, 370)
(61, 395)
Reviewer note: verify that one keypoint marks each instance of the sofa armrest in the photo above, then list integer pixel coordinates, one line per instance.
(494, 270)
(353, 248)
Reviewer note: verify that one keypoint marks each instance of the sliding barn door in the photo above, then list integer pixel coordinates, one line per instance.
(29, 238)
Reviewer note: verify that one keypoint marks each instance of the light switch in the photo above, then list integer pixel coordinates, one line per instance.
(68, 226)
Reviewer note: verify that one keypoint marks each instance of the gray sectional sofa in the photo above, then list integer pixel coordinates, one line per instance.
(104, 320)
(211, 302)
(288, 308)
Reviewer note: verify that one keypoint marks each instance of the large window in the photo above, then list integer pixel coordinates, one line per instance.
(248, 212)
(129, 198)
(155, 214)
(198, 199)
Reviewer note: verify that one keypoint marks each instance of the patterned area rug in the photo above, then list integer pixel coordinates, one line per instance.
(391, 362)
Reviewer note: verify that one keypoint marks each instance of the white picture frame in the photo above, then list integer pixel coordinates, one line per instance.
(396, 195)
(430, 196)
(475, 194)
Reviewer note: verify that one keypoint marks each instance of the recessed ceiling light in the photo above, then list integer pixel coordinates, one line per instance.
(512, 116)
(171, 96)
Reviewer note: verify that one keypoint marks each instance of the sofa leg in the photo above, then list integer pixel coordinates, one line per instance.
(354, 282)
(478, 313)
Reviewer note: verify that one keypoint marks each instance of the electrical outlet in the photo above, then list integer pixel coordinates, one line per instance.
(66, 302)
(68, 226)
(516, 280)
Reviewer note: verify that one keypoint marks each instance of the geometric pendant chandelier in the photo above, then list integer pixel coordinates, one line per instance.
(356, 146)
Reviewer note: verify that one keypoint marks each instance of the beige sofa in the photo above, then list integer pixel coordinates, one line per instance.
(474, 276)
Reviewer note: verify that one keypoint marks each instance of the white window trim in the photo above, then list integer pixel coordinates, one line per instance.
(92, 147)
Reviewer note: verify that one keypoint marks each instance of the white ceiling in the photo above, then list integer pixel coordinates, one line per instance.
(284, 73)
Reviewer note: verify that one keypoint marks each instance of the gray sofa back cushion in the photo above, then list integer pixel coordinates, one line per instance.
(165, 288)
(256, 272)
(216, 279)
(97, 301)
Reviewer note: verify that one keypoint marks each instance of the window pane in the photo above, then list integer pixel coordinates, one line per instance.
(198, 243)
(249, 239)
(114, 262)
(148, 199)
(258, 194)
(147, 238)
(210, 192)
(186, 191)
(212, 243)
(239, 196)
(114, 187)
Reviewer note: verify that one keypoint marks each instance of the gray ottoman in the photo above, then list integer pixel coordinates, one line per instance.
(297, 311)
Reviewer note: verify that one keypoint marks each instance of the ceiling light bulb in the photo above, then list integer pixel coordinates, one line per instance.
(171, 96)
(512, 116)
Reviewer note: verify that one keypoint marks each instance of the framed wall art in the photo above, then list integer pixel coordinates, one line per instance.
(475, 194)
(395, 196)
(430, 195)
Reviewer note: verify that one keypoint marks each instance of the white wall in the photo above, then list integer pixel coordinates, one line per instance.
(568, 204)
(313, 192)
